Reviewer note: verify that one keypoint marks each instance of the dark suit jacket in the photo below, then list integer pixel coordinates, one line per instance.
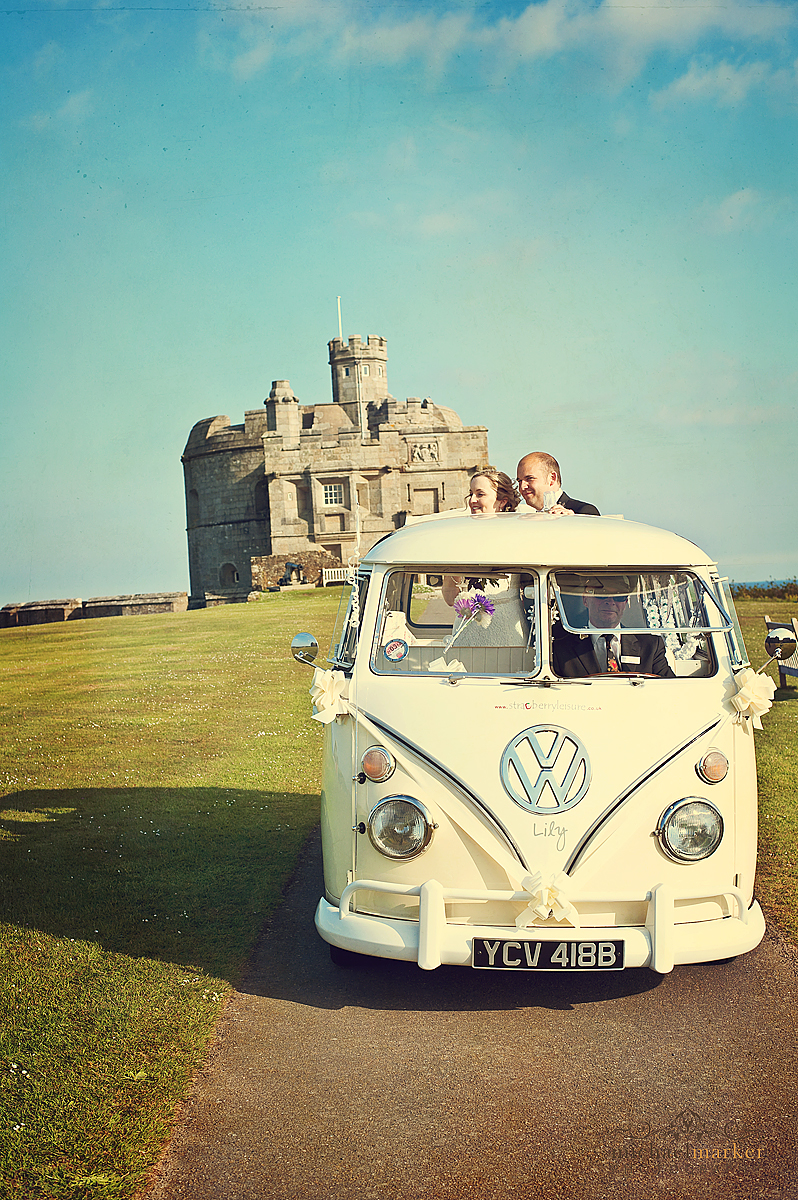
(573, 656)
(580, 507)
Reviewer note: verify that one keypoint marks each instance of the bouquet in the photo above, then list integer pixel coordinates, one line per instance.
(474, 606)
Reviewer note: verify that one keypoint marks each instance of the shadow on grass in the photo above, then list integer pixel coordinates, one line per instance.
(190, 876)
(183, 875)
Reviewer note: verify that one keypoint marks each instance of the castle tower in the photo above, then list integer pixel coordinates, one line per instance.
(282, 412)
(359, 375)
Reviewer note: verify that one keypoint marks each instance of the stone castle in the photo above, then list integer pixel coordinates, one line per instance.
(295, 478)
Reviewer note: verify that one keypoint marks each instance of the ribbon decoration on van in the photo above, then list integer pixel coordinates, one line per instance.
(754, 697)
(548, 900)
(326, 692)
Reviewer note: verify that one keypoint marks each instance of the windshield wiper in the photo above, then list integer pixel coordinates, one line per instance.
(528, 681)
(633, 677)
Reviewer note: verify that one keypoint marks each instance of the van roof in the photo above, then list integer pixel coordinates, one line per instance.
(496, 538)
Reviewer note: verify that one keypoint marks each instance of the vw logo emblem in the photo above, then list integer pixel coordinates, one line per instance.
(545, 769)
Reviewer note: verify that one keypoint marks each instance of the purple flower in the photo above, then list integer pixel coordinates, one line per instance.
(464, 606)
(474, 607)
(483, 605)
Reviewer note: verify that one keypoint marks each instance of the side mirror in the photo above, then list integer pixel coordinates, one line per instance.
(780, 644)
(304, 648)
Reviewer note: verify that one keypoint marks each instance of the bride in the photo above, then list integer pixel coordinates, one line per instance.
(490, 491)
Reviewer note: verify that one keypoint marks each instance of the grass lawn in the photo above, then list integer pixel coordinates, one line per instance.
(158, 776)
(777, 769)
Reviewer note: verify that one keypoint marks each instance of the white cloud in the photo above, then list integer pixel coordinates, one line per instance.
(723, 84)
(746, 208)
(76, 109)
(253, 60)
(541, 30)
(737, 211)
(403, 223)
(48, 56)
(391, 43)
(427, 218)
(659, 23)
(444, 224)
(620, 35)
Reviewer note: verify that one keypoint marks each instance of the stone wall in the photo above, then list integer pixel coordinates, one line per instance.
(41, 612)
(267, 570)
(135, 606)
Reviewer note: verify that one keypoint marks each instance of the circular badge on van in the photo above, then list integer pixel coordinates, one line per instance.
(395, 650)
(545, 769)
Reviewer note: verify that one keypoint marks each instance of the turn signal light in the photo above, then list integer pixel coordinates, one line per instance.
(713, 767)
(377, 764)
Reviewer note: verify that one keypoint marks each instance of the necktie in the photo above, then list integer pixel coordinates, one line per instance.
(612, 662)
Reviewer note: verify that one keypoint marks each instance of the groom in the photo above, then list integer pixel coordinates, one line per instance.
(539, 477)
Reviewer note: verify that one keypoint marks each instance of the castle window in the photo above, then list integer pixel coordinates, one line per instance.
(346, 371)
(365, 370)
(333, 493)
(262, 499)
(379, 371)
(228, 575)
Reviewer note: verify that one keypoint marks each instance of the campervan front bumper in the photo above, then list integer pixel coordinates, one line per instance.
(433, 940)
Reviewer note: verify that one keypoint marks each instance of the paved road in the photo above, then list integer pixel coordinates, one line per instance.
(389, 1082)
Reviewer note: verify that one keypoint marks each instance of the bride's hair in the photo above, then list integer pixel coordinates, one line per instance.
(506, 492)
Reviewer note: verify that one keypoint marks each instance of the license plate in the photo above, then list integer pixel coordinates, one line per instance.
(505, 955)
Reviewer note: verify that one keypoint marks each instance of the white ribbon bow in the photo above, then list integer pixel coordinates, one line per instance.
(548, 900)
(754, 697)
(326, 692)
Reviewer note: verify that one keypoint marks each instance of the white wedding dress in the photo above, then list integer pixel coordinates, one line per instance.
(507, 626)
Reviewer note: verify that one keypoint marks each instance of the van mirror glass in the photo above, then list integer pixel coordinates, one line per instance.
(780, 644)
(304, 648)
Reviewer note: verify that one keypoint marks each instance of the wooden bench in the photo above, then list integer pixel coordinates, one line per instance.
(789, 666)
(333, 575)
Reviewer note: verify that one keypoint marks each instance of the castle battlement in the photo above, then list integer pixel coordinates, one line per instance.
(374, 346)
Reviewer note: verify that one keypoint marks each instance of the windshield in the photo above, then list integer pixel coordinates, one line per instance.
(473, 622)
(674, 610)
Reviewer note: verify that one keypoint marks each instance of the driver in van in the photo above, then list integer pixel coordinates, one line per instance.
(604, 648)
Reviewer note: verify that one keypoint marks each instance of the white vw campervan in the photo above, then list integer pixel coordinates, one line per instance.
(538, 750)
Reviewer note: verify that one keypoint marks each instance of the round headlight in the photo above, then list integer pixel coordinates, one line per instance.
(377, 764)
(713, 767)
(399, 827)
(691, 829)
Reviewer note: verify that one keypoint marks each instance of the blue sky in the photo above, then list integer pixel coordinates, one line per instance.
(574, 222)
